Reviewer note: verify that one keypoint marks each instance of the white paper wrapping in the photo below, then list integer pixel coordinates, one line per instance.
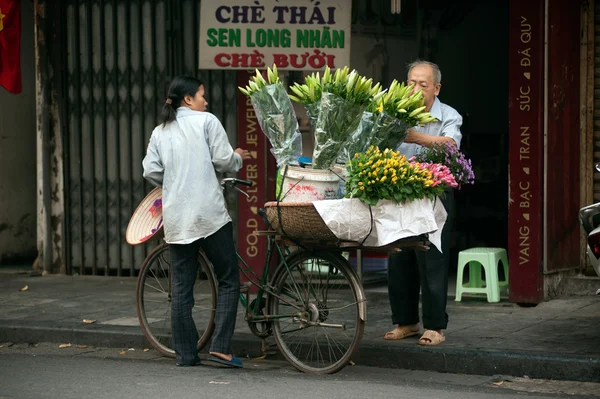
(350, 219)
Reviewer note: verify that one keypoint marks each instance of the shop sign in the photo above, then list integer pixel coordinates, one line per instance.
(526, 150)
(251, 247)
(292, 34)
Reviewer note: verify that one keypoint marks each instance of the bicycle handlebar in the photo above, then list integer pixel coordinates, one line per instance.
(233, 181)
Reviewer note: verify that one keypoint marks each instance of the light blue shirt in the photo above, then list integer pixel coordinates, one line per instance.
(183, 158)
(448, 124)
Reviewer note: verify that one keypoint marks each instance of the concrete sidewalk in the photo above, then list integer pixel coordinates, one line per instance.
(554, 340)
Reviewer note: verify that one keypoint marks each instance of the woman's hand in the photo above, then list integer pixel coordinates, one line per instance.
(243, 153)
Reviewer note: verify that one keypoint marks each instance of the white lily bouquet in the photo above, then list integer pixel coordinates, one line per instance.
(387, 119)
(396, 112)
(276, 116)
(335, 104)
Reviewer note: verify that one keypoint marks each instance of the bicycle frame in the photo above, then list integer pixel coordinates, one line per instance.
(253, 313)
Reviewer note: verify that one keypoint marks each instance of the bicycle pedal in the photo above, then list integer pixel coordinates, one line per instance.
(268, 349)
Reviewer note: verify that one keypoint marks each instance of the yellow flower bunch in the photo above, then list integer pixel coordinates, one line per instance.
(374, 175)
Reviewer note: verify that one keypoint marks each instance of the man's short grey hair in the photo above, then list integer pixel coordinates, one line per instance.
(437, 74)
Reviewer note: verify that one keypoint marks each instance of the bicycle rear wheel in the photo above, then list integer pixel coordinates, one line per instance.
(323, 293)
(153, 300)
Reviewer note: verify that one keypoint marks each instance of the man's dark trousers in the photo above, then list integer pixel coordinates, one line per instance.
(412, 270)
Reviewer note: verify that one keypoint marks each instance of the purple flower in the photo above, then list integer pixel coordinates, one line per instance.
(448, 155)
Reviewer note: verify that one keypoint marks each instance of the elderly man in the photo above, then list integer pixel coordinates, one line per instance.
(410, 271)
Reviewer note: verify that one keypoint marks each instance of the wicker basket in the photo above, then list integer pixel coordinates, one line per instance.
(299, 220)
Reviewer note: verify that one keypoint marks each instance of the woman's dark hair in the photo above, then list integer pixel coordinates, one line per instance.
(180, 87)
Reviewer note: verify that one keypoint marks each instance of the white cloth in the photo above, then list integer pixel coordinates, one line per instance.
(183, 158)
(448, 124)
(350, 219)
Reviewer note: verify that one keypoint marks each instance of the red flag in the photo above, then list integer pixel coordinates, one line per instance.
(10, 45)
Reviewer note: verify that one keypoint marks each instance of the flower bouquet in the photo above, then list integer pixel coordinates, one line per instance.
(276, 116)
(448, 155)
(396, 112)
(334, 103)
(386, 121)
(375, 175)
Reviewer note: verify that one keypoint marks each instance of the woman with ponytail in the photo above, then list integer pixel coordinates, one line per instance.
(183, 157)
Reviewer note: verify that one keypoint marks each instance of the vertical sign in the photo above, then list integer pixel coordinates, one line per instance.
(292, 34)
(526, 141)
(250, 137)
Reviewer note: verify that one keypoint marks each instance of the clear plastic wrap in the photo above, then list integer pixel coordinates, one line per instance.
(334, 121)
(360, 140)
(276, 116)
(388, 132)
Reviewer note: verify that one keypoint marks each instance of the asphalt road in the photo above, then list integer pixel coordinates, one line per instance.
(46, 371)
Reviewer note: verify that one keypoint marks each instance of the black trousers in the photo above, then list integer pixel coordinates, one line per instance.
(411, 271)
(220, 251)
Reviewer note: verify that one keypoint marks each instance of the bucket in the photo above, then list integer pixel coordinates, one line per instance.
(307, 185)
(342, 172)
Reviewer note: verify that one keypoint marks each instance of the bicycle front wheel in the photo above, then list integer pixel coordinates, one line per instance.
(324, 300)
(154, 300)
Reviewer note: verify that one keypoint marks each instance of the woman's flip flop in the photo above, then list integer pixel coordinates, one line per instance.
(234, 362)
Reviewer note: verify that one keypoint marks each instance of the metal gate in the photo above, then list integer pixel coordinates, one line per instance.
(118, 59)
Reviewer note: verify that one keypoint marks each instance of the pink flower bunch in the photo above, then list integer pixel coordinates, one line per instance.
(440, 174)
(447, 154)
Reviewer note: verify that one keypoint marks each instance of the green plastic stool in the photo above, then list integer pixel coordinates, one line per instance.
(478, 259)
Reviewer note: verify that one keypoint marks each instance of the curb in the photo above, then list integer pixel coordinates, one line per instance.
(112, 337)
(459, 361)
(446, 360)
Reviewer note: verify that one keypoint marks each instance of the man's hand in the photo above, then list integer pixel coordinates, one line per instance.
(412, 136)
(243, 153)
(425, 140)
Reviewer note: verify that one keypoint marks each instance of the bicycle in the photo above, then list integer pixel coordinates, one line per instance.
(313, 304)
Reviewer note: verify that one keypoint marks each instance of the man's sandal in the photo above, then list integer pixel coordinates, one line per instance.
(431, 337)
(400, 333)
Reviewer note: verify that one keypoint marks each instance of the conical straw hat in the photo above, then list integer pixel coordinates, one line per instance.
(147, 220)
